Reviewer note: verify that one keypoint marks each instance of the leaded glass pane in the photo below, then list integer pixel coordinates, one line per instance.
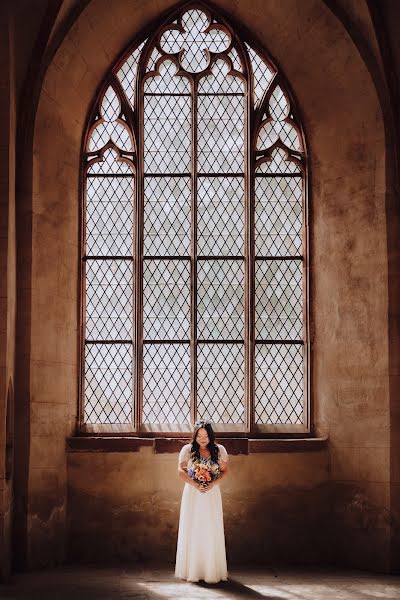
(108, 383)
(278, 216)
(166, 82)
(114, 132)
(236, 64)
(166, 383)
(110, 105)
(220, 382)
(127, 73)
(219, 82)
(290, 136)
(167, 216)
(274, 130)
(220, 299)
(220, 214)
(166, 300)
(109, 216)
(167, 134)
(151, 63)
(109, 299)
(278, 125)
(262, 74)
(109, 164)
(110, 129)
(279, 384)
(278, 163)
(171, 41)
(278, 105)
(279, 303)
(220, 134)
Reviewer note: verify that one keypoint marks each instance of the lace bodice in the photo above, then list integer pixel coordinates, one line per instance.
(184, 455)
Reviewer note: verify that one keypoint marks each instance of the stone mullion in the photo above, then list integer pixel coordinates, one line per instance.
(193, 259)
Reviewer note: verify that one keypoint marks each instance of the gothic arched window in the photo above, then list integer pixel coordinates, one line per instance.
(194, 239)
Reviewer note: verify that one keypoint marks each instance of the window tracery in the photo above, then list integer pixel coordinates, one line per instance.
(194, 246)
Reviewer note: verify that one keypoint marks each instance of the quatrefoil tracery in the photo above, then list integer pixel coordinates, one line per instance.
(193, 39)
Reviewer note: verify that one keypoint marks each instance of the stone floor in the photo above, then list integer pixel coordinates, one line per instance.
(158, 583)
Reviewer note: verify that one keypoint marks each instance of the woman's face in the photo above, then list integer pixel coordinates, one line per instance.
(202, 437)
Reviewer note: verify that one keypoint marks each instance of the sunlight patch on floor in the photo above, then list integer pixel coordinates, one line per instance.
(178, 591)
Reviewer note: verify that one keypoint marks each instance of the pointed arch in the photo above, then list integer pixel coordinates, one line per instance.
(212, 278)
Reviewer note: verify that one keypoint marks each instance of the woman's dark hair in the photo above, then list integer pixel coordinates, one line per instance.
(213, 448)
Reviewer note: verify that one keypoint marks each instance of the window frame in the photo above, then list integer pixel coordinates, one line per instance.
(253, 121)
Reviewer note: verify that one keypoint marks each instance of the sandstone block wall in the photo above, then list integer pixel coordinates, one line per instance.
(338, 504)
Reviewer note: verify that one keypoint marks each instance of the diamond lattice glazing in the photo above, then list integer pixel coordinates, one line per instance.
(167, 134)
(278, 216)
(166, 299)
(279, 384)
(166, 383)
(194, 41)
(127, 73)
(151, 63)
(279, 302)
(168, 225)
(220, 216)
(109, 216)
(220, 299)
(219, 82)
(236, 63)
(110, 129)
(277, 164)
(275, 127)
(167, 82)
(109, 299)
(262, 74)
(108, 383)
(167, 216)
(110, 105)
(220, 134)
(109, 165)
(220, 382)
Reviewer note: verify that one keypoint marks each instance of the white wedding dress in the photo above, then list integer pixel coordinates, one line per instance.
(200, 552)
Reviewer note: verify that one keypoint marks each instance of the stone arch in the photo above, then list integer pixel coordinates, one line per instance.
(269, 139)
(347, 146)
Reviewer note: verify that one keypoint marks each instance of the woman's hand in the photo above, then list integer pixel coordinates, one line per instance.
(202, 488)
(209, 486)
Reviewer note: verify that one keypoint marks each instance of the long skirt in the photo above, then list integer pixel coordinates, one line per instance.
(200, 552)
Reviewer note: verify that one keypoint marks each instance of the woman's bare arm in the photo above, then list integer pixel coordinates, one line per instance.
(224, 471)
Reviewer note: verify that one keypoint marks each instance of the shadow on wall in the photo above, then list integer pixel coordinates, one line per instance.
(9, 454)
(104, 529)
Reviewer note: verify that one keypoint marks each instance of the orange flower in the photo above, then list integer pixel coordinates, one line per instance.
(203, 474)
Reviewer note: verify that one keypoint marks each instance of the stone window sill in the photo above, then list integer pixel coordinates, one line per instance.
(164, 445)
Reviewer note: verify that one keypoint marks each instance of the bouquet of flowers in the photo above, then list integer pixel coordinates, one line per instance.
(204, 472)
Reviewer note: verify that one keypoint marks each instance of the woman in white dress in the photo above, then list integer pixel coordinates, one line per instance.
(200, 553)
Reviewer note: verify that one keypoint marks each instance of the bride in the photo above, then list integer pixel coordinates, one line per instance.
(200, 552)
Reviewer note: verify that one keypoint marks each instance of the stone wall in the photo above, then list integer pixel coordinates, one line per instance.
(91, 497)
(125, 505)
(7, 285)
